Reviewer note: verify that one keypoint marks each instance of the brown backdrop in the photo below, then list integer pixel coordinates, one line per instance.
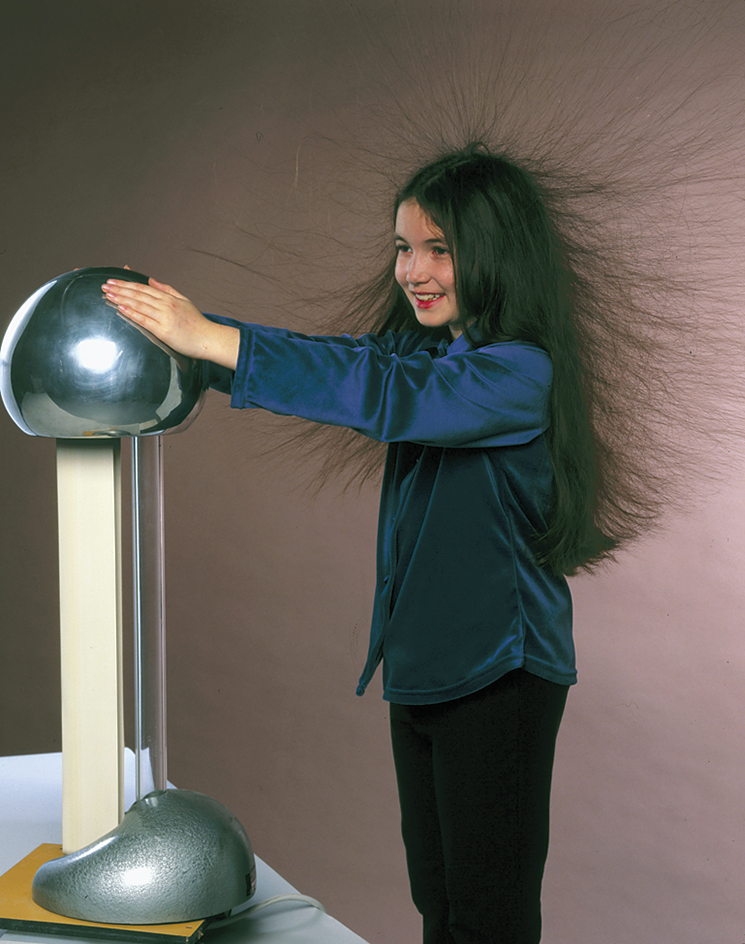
(216, 145)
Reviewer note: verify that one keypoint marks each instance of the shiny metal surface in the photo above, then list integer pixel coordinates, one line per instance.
(72, 367)
(176, 856)
(149, 613)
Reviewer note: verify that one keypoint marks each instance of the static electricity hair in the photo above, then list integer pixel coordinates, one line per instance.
(512, 282)
(531, 264)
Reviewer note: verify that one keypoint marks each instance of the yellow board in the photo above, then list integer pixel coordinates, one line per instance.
(18, 911)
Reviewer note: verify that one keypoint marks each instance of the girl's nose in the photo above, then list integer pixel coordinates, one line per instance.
(417, 271)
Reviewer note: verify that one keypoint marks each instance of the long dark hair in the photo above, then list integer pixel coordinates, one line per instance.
(513, 283)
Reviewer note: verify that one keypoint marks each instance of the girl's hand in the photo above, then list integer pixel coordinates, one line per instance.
(173, 319)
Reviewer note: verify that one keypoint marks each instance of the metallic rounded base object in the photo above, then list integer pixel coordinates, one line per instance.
(72, 367)
(176, 856)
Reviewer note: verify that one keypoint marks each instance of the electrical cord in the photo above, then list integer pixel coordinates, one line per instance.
(260, 905)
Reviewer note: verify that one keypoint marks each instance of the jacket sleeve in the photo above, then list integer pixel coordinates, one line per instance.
(495, 395)
(221, 378)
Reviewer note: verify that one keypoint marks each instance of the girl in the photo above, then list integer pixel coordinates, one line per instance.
(491, 494)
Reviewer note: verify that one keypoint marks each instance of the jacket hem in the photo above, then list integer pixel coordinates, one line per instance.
(469, 686)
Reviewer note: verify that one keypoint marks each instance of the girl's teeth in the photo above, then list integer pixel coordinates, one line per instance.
(427, 298)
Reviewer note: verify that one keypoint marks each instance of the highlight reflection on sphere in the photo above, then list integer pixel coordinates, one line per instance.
(96, 354)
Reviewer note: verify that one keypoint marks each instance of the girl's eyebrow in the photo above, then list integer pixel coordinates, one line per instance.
(428, 242)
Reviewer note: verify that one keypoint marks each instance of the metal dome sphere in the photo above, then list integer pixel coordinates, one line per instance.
(72, 367)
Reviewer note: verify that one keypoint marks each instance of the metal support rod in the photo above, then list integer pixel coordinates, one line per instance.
(149, 614)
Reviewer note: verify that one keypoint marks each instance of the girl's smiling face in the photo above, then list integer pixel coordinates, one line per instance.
(424, 269)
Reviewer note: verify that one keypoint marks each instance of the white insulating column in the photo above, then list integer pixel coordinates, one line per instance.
(89, 514)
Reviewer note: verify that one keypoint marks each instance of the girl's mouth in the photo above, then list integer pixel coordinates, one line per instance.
(426, 299)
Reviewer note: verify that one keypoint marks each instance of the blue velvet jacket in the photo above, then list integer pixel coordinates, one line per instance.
(459, 600)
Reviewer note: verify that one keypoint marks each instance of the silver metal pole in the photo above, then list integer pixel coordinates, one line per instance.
(149, 613)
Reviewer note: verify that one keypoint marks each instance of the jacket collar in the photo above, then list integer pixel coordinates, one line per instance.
(461, 343)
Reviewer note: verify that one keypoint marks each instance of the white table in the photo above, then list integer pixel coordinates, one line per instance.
(31, 813)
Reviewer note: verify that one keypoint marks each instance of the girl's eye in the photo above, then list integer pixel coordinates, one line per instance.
(441, 251)
(402, 247)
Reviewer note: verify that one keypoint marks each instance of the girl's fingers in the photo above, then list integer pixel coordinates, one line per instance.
(132, 292)
(135, 304)
(168, 289)
(115, 285)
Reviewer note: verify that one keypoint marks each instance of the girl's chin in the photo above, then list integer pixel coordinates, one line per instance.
(431, 319)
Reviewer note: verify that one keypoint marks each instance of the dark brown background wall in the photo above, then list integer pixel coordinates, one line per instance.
(217, 146)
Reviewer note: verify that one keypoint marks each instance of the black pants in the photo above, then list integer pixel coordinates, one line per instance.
(474, 780)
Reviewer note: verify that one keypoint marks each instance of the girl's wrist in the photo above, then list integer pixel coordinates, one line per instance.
(223, 345)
